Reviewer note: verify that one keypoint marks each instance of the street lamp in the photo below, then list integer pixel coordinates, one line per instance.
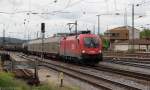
(98, 19)
(132, 27)
(133, 13)
(3, 42)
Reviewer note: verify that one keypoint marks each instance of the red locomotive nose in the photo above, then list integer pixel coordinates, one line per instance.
(91, 51)
(90, 45)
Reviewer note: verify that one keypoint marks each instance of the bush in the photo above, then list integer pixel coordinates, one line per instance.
(8, 82)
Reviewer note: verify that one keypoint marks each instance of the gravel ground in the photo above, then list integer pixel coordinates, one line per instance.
(49, 75)
(16, 58)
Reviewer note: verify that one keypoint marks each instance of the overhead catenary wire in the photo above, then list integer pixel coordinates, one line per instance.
(115, 5)
(143, 3)
(69, 5)
(107, 6)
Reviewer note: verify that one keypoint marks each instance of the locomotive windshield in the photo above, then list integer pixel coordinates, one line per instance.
(91, 42)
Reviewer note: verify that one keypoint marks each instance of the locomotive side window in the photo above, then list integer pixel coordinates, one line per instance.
(91, 42)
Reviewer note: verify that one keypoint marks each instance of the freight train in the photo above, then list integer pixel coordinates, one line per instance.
(81, 47)
(12, 47)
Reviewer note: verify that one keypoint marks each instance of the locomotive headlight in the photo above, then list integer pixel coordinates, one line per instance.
(83, 51)
(100, 51)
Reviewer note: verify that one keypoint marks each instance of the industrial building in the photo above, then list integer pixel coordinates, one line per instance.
(121, 39)
(121, 34)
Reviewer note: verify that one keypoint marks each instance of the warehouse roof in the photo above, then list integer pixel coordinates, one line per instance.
(122, 28)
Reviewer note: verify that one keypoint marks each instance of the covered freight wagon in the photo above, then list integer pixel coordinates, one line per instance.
(50, 46)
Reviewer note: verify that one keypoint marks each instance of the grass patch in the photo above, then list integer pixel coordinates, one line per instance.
(8, 82)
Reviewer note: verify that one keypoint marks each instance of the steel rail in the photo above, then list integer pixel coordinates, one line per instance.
(132, 74)
(145, 65)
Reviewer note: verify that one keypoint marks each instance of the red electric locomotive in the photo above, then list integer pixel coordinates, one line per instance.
(84, 47)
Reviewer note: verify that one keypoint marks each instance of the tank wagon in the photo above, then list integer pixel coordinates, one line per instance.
(82, 47)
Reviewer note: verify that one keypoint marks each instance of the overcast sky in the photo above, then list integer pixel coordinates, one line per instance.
(21, 18)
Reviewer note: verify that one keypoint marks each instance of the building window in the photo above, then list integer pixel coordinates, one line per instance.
(114, 34)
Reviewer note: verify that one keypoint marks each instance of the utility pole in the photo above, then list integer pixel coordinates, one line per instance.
(3, 44)
(98, 23)
(3, 38)
(125, 18)
(70, 27)
(37, 34)
(93, 29)
(28, 36)
(76, 31)
(132, 27)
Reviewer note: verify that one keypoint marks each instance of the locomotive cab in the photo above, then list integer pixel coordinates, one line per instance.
(91, 48)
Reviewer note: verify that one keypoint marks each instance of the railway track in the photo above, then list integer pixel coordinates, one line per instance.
(126, 58)
(134, 63)
(123, 72)
(129, 60)
(27, 73)
(128, 54)
(23, 73)
(139, 56)
(93, 79)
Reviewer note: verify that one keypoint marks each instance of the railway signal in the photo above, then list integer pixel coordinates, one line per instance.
(43, 35)
(43, 27)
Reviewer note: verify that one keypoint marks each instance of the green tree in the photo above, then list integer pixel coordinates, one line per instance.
(106, 43)
(145, 34)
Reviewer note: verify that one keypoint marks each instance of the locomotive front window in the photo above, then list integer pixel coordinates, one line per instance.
(91, 42)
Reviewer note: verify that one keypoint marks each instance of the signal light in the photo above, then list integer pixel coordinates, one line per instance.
(83, 51)
(100, 51)
(43, 27)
